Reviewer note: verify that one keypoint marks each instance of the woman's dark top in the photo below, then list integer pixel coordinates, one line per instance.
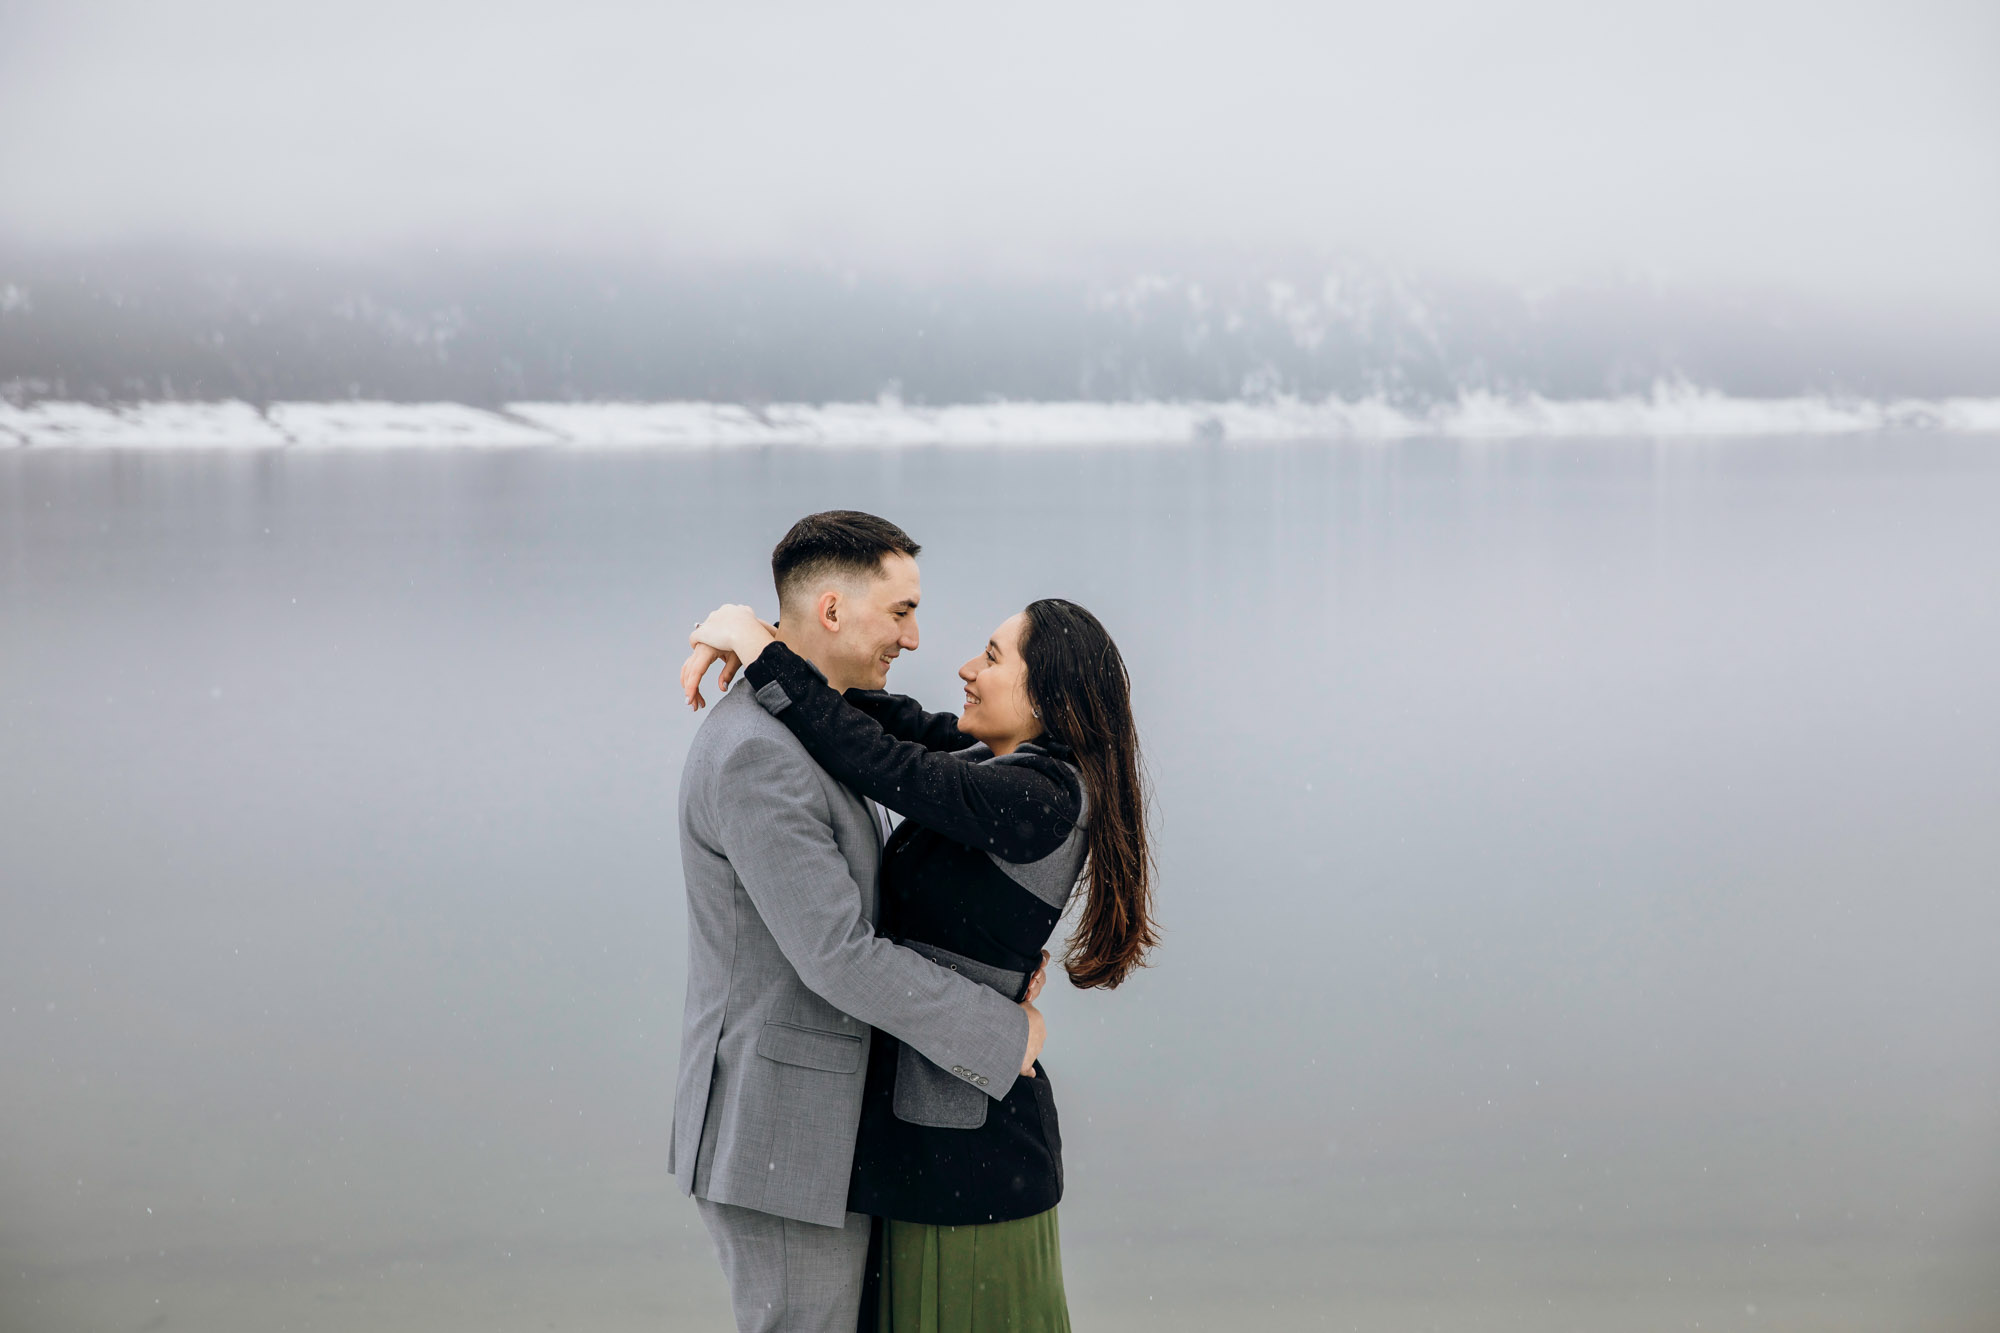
(976, 877)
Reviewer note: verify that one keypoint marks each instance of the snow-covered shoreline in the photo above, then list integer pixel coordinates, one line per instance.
(1669, 412)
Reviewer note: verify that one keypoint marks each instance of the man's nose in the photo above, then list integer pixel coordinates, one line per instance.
(909, 639)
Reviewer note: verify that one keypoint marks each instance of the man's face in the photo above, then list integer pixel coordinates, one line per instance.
(878, 622)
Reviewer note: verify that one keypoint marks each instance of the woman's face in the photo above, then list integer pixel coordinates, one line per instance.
(996, 691)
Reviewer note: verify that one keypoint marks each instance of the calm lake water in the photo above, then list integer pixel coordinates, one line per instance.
(1580, 866)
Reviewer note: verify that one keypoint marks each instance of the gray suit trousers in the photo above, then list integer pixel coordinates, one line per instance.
(788, 1276)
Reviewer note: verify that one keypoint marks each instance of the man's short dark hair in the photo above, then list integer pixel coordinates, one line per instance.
(839, 541)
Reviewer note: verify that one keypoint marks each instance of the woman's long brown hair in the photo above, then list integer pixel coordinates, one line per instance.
(1077, 680)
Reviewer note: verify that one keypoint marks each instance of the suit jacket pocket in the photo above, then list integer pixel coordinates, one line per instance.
(789, 1044)
(927, 1095)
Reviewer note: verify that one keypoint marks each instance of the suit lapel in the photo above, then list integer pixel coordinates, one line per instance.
(870, 883)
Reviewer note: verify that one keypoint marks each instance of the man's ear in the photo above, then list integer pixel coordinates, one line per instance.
(827, 608)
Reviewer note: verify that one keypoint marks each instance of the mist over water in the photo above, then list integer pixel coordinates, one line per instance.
(190, 324)
(1576, 860)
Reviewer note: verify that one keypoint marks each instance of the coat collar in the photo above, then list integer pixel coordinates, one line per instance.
(1050, 746)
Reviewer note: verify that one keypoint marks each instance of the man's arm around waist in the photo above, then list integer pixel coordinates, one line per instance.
(767, 815)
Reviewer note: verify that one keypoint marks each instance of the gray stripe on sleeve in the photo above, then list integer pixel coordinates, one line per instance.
(1054, 877)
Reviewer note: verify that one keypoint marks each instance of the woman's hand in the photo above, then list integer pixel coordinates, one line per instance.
(734, 629)
(731, 634)
(697, 665)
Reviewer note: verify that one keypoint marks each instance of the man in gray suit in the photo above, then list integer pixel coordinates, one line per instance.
(786, 975)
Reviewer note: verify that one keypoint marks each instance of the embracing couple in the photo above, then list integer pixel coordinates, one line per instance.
(860, 1038)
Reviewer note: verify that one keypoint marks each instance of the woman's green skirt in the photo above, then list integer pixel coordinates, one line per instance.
(997, 1277)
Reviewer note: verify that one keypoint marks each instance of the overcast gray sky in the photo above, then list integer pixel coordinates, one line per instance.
(1845, 146)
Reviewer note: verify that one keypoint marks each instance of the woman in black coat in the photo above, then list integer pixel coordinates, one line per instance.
(1008, 807)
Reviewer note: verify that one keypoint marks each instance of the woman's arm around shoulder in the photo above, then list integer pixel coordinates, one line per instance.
(905, 719)
(1019, 808)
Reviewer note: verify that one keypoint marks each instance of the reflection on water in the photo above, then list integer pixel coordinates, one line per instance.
(1578, 865)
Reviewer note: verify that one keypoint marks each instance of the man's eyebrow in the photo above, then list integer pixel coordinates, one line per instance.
(910, 602)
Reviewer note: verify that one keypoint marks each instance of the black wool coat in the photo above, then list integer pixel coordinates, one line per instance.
(976, 877)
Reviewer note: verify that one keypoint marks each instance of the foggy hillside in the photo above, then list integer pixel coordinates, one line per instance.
(162, 325)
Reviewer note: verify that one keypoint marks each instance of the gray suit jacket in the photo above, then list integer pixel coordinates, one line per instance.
(786, 976)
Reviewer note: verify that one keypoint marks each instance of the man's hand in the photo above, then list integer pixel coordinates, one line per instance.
(1038, 1032)
(1037, 981)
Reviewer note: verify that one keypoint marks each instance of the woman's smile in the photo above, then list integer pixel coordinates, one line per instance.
(1012, 718)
